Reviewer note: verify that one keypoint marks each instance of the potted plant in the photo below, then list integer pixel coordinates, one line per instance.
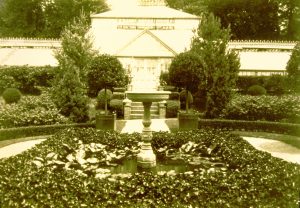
(105, 72)
(184, 73)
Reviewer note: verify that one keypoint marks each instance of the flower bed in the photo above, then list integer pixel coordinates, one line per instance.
(30, 110)
(268, 108)
(40, 177)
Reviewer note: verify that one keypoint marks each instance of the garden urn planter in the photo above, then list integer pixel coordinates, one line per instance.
(106, 122)
(188, 120)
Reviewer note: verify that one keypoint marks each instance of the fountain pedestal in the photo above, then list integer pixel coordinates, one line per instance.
(146, 158)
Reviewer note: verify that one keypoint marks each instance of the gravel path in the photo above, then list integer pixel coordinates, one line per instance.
(276, 148)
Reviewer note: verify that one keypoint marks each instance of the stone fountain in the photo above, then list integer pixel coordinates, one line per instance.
(146, 158)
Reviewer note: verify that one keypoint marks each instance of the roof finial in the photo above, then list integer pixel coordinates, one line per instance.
(151, 3)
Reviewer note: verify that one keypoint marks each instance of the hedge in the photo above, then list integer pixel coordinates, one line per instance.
(20, 132)
(266, 126)
(26, 78)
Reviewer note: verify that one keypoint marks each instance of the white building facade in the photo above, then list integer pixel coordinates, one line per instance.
(145, 37)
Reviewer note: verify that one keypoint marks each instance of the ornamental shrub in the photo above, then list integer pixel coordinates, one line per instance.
(31, 111)
(11, 95)
(270, 108)
(173, 106)
(102, 97)
(118, 95)
(174, 96)
(7, 81)
(116, 105)
(256, 90)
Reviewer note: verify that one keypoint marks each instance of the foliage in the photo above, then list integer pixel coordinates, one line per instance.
(293, 69)
(28, 79)
(105, 71)
(30, 110)
(270, 108)
(257, 90)
(219, 66)
(164, 78)
(116, 105)
(184, 72)
(118, 95)
(174, 96)
(274, 84)
(11, 95)
(102, 98)
(289, 129)
(26, 18)
(40, 177)
(248, 19)
(69, 91)
(172, 108)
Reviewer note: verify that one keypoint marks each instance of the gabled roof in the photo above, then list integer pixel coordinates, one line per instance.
(146, 44)
(145, 12)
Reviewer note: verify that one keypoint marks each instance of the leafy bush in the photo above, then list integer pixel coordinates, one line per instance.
(257, 90)
(42, 176)
(173, 106)
(26, 78)
(30, 110)
(118, 95)
(270, 108)
(7, 82)
(11, 95)
(102, 97)
(117, 106)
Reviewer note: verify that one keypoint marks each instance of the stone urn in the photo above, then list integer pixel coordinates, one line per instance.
(146, 158)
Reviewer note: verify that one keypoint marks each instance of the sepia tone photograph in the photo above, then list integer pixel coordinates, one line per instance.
(150, 103)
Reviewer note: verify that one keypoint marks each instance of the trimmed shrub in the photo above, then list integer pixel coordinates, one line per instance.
(265, 126)
(118, 95)
(173, 106)
(270, 108)
(27, 78)
(182, 96)
(11, 95)
(276, 85)
(244, 82)
(101, 98)
(29, 111)
(30, 131)
(256, 90)
(117, 106)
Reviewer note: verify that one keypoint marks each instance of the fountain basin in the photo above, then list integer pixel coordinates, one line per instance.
(150, 96)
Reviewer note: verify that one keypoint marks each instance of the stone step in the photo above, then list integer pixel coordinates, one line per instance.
(153, 111)
(141, 108)
(141, 104)
(140, 116)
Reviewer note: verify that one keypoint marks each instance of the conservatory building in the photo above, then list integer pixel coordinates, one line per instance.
(145, 37)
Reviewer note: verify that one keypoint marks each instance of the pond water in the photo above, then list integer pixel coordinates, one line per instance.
(178, 166)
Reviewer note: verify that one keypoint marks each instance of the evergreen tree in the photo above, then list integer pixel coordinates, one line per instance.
(219, 66)
(69, 90)
(293, 69)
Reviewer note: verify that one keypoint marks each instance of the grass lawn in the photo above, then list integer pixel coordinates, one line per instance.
(288, 139)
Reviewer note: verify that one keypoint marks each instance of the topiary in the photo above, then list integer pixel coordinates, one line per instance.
(182, 96)
(117, 106)
(257, 90)
(101, 98)
(11, 95)
(172, 108)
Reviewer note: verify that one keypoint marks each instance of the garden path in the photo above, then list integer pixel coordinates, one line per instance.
(276, 148)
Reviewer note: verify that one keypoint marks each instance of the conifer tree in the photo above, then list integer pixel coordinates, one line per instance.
(293, 69)
(220, 66)
(69, 90)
